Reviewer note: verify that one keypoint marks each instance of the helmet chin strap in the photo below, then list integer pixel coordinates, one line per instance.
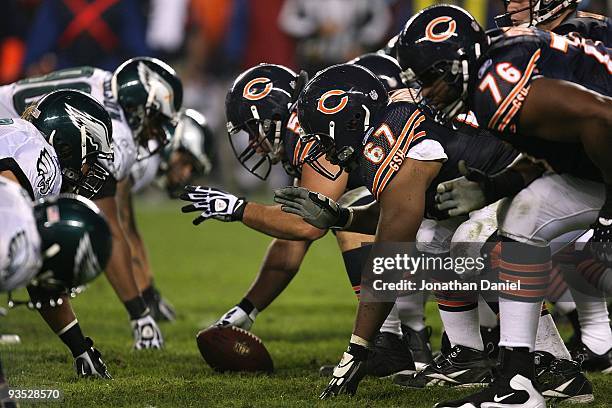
(366, 119)
(83, 142)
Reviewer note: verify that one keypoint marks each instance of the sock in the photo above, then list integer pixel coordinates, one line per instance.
(248, 307)
(410, 311)
(392, 323)
(486, 316)
(149, 294)
(72, 336)
(463, 328)
(519, 309)
(136, 307)
(549, 340)
(595, 325)
(354, 260)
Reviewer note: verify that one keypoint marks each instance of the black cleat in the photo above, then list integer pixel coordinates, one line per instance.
(418, 342)
(89, 364)
(462, 367)
(517, 391)
(561, 380)
(592, 362)
(390, 355)
(490, 340)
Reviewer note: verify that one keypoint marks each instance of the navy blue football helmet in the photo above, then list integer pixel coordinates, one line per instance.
(335, 110)
(442, 43)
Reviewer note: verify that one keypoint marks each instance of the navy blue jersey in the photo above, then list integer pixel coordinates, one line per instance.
(587, 25)
(504, 79)
(402, 126)
(521, 55)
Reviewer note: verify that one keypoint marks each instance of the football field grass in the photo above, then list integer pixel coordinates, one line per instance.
(204, 271)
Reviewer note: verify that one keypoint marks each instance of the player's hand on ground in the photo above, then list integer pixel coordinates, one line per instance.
(213, 203)
(464, 194)
(146, 334)
(348, 373)
(89, 364)
(315, 208)
(236, 317)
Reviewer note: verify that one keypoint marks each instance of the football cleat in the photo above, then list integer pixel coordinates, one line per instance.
(418, 343)
(517, 391)
(146, 334)
(89, 364)
(592, 362)
(236, 316)
(389, 356)
(348, 373)
(561, 380)
(462, 367)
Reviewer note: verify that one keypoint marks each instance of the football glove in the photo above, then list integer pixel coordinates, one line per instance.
(348, 373)
(146, 334)
(236, 317)
(89, 364)
(601, 241)
(459, 196)
(315, 208)
(213, 203)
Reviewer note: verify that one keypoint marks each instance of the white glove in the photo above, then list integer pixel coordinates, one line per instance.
(459, 197)
(236, 317)
(213, 203)
(146, 334)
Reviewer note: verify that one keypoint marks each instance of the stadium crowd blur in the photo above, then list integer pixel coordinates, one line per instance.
(208, 42)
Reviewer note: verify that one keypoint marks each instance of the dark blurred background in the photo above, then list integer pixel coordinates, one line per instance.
(208, 42)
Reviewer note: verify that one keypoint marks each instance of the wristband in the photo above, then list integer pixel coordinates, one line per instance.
(504, 184)
(239, 212)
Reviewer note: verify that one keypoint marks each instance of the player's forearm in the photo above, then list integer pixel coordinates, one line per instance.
(272, 221)
(280, 264)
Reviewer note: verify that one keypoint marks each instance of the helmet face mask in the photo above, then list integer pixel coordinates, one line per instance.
(257, 110)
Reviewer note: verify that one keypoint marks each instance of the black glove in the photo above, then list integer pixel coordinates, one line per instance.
(601, 241)
(213, 203)
(506, 183)
(348, 373)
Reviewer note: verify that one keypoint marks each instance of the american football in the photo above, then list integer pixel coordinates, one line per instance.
(373, 203)
(230, 348)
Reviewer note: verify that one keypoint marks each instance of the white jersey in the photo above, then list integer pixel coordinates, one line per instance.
(144, 172)
(25, 152)
(14, 98)
(20, 256)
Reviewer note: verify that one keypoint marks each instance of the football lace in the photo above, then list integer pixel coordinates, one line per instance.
(254, 337)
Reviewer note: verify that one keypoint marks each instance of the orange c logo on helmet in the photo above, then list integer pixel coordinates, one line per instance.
(251, 94)
(329, 111)
(429, 30)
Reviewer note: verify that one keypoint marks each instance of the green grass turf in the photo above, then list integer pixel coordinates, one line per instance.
(203, 271)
